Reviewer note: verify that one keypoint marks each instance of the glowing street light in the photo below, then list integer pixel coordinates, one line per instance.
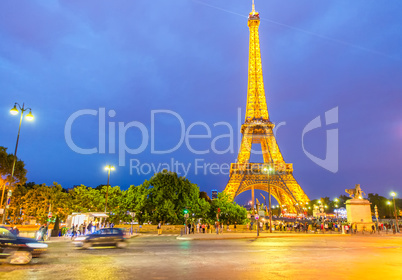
(389, 208)
(108, 168)
(14, 111)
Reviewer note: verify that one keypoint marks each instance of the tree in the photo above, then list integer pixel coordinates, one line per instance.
(134, 200)
(38, 200)
(205, 196)
(115, 196)
(230, 211)
(16, 210)
(85, 199)
(6, 166)
(164, 197)
(381, 203)
(169, 195)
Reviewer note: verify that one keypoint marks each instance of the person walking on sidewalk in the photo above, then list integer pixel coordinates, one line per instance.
(159, 227)
(89, 227)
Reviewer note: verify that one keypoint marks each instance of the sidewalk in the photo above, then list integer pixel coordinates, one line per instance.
(242, 235)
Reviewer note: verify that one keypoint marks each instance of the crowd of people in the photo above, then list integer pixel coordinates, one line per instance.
(218, 227)
(85, 228)
(315, 226)
(299, 226)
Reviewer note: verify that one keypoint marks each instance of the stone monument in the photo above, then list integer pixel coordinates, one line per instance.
(358, 209)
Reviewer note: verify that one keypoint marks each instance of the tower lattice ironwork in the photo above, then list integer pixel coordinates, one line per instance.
(274, 173)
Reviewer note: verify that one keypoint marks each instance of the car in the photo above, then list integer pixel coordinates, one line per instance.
(103, 237)
(19, 250)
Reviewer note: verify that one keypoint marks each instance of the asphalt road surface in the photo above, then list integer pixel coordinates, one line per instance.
(165, 257)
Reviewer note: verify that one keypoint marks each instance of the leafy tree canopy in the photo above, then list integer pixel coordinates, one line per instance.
(6, 166)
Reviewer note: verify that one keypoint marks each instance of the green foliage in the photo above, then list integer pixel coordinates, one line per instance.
(384, 210)
(164, 197)
(230, 211)
(34, 202)
(6, 165)
(86, 199)
(161, 199)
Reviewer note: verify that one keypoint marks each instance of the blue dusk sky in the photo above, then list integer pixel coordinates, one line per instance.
(131, 83)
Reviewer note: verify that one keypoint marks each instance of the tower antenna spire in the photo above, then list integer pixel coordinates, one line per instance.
(253, 8)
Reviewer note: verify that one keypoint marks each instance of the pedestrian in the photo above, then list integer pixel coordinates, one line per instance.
(43, 232)
(111, 224)
(189, 228)
(192, 228)
(39, 233)
(235, 226)
(89, 227)
(76, 230)
(209, 228)
(198, 227)
(203, 228)
(159, 227)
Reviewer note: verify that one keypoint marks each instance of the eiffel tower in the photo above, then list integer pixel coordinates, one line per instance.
(274, 175)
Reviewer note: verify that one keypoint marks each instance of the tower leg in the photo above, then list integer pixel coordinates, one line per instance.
(252, 198)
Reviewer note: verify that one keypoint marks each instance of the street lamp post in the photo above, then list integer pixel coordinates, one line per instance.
(267, 171)
(108, 168)
(29, 117)
(336, 207)
(393, 194)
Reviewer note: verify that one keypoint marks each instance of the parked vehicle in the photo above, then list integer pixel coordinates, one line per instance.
(103, 237)
(19, 250)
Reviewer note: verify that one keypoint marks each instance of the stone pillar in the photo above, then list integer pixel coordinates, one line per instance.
(359, 212)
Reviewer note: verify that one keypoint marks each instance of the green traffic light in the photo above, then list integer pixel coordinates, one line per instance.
(185, 211)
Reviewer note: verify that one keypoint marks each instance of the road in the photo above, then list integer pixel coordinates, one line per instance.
(165, 257)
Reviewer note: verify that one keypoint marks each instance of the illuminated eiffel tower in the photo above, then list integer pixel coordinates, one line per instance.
(274, 175)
